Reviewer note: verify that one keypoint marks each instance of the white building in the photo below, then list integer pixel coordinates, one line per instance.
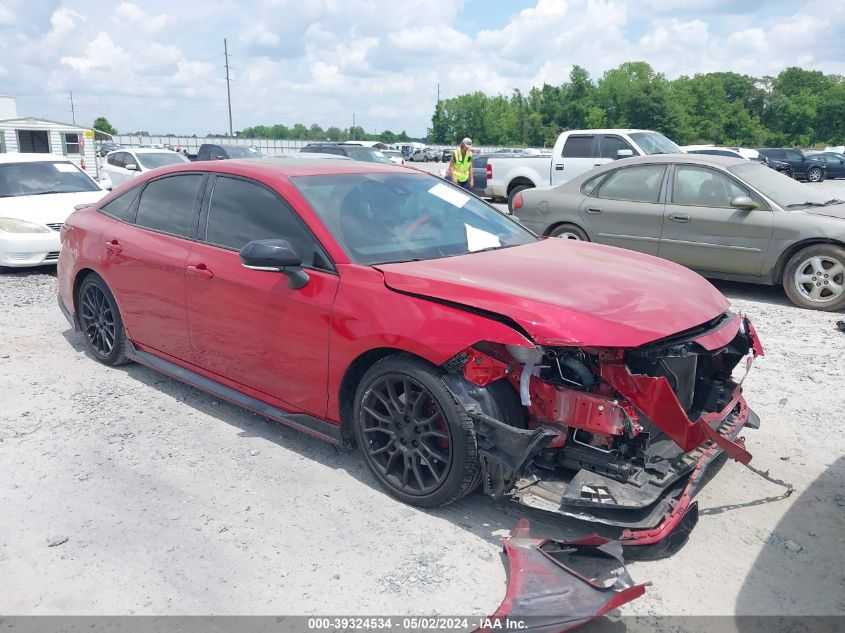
(32, 135)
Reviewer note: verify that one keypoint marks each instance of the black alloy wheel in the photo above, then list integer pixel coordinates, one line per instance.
(416, 439)
(406, 434)
(100, 321)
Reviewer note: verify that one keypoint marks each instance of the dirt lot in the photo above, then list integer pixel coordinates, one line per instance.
(172, 502)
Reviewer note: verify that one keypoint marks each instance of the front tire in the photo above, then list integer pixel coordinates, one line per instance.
(416, 439)
(814, 278)
(815, 175)
(100, 320)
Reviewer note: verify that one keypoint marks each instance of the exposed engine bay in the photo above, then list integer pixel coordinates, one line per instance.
(615, 436)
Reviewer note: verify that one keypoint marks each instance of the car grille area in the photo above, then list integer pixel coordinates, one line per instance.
(57, 226)
(52, 256)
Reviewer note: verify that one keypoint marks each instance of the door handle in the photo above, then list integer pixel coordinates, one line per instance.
(597, 165)
(559, 166)
(112, 246)
(200, 271)
(679, 217)
(593, 210)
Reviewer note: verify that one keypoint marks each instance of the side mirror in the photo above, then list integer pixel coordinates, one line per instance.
(624, 153)
(744, 203)
(275, 256)
(132, 167)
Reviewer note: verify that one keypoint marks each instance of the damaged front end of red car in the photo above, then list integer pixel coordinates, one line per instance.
(615, 436)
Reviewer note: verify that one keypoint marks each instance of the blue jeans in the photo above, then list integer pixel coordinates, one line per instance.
(465, 184)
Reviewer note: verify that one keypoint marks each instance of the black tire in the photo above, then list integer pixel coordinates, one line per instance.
(814, 174)
(100, 320)
(383, 430)
(569, 232)
(512, 194)
(813, 271)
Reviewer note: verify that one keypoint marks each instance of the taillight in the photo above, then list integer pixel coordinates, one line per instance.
(517, 201)
(489, 171)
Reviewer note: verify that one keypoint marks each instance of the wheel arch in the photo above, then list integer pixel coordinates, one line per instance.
(520, 181)
(552, 227)
(352, 378)
(81, 275)
(787, 254)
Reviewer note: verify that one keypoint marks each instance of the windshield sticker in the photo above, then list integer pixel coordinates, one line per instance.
(452, 196)
(478, 240)
(65, 167)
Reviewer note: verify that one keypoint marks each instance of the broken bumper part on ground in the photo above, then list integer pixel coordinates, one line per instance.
(555, 586)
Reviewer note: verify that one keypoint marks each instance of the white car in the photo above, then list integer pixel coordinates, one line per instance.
(394, 155)
(122, 165)
(37, 193)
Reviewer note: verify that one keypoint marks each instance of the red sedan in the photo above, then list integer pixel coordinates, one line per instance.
(380, 305)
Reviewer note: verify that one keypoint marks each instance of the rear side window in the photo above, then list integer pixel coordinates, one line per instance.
(242, 211)
(168, 205)
(119, 207)
(637, 184)
(588, 187)
(610, 146)
(578, 147)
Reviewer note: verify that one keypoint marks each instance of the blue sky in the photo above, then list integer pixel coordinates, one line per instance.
(157, 65)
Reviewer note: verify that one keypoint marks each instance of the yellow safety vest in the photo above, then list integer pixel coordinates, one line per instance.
(462, 165)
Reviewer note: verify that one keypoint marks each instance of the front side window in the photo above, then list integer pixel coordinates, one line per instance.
(699, 187)
(43, 177)
(70, 142)
(394, 217)
(637, 184)
(578, 147)
(655, 143)
(168, 205)
(242, 211)
(116, 159)
(610, 146)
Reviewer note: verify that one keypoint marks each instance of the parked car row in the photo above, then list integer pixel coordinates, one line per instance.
(727, 218)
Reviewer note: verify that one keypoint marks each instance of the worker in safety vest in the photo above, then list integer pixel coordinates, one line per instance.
(460, 167)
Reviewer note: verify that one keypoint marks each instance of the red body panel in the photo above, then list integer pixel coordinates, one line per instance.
(250, 327)
(565, 292)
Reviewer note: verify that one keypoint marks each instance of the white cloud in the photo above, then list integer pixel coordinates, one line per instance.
(320, 60)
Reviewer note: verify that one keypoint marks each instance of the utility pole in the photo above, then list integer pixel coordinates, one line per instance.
(228, 90)
(352, 131)
(72, 111)
(438, 92)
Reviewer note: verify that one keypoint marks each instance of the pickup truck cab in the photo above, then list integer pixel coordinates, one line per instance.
(575, 152)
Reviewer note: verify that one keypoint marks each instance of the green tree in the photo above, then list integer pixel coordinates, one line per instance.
(102, 124)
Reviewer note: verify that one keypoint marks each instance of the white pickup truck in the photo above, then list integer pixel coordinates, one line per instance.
(574, 153)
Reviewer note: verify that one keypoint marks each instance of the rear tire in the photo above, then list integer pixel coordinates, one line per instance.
(569, 232)
(416, 439)
(513, 192)
(100, 320)
(815, 175)
(814, 278)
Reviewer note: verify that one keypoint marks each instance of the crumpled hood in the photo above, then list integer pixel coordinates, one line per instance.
(51, 208)
(565, 292)
(833, 211)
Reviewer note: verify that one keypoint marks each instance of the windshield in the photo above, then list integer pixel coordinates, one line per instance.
(655, 143)
(387, 217)
(151, 160)
(367, 154)
(242, 152)
(38, 178)
(787, 192)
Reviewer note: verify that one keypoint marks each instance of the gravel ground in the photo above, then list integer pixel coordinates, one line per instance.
(125, 492)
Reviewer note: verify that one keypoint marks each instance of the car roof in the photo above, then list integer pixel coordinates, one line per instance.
(15, 157)
(143, 150)
(270, 167)
(702, 159)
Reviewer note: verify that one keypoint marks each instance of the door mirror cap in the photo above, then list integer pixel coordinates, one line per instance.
(275, 256)
(132, 167)
(744, 203)
(624, 153)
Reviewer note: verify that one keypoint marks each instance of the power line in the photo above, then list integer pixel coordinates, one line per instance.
(228, 90)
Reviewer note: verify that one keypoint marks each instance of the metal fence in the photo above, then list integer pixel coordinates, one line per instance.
(268, 147)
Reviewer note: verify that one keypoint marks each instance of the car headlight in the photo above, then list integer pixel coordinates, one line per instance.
(11, 225)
